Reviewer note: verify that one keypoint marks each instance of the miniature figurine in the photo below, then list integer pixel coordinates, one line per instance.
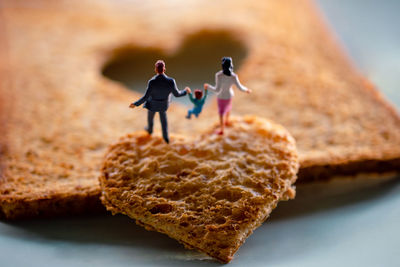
(157, 98)
(198, 100)
(224, 80)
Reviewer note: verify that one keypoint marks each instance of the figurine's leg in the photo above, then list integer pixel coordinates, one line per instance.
(221, 122)
(221, 108)
(227, 121)
(150, 121)
(164, 125)
(189, 115)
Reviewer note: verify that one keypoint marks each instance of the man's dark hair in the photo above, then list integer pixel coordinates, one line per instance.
(227, 65)
(160, 66)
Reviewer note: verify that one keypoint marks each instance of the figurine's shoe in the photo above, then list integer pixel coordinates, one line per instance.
(220, 132)
(147, 130)
(188, 117)
(202, 192)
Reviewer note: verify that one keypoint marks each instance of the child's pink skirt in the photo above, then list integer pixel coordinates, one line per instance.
(224, 105)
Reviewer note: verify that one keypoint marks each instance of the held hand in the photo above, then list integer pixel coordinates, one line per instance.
(187, 89)
(248, 91)
(132, 105)
(206, 86)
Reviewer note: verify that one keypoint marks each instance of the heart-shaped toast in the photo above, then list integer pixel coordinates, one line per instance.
(208, 192)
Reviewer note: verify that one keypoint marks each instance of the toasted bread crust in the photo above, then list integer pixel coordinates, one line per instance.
(366, 167)
(57, 205)
(59, 114)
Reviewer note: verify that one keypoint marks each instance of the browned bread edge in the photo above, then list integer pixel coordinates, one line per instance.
(55, 205)
(353, 168)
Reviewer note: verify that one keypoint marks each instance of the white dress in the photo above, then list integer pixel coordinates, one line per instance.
(223, 85)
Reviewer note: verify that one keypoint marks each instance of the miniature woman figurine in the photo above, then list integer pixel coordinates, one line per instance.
(224, 80)
(198, 100)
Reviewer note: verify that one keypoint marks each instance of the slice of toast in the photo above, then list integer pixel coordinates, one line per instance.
(59, 113)
(209, 192)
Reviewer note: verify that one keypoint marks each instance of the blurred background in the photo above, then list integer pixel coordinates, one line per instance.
(370, 32)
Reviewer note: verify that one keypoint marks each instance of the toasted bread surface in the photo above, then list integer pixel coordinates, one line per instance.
(58, 113)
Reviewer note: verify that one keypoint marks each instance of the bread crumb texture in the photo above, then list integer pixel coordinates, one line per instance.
(209, 192)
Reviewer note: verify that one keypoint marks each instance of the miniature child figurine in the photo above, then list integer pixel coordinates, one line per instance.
(157, 98)
(198, 100)
(224, 80)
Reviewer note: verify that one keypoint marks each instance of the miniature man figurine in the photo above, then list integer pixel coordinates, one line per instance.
(198, 101)
(157, 98)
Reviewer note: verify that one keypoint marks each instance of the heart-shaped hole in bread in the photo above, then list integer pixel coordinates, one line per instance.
(209, 192)
(194, 63)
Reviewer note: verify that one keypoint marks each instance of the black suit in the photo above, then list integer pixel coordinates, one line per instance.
(157, 98)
